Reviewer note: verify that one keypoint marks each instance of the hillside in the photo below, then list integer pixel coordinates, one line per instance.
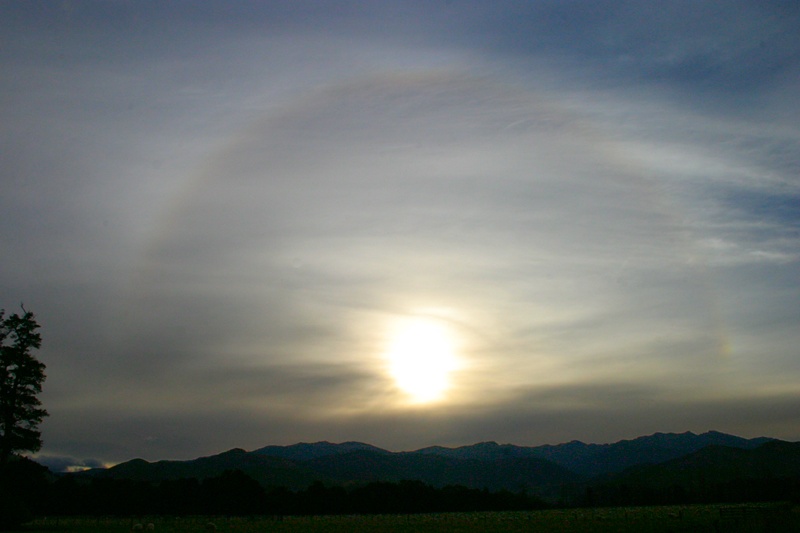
(652, 461)
(715, 473)
(268, 471)
(719, 464)
(353, 468)
(494, 474)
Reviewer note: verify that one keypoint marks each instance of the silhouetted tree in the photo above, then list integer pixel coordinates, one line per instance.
(21, 377)
(24, 491)
(322, 500)
(233, 493)
(181, 497)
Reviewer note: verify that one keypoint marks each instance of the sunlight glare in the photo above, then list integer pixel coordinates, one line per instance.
(421, 357)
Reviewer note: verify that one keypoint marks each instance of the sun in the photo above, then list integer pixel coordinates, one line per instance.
(421, 356)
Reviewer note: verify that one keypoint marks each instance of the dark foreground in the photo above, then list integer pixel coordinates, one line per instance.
(723, 518)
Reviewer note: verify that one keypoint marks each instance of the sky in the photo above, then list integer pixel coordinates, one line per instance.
(404, 223)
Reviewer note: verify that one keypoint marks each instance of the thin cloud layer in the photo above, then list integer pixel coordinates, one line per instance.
(219, 215)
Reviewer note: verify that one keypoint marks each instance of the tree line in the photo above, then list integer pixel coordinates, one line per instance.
(740, 490)
(235, 493)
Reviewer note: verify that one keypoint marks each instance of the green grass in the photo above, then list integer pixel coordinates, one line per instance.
(622, 519)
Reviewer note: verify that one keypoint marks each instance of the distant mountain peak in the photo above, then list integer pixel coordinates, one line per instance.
(304, 451)
(235, 451)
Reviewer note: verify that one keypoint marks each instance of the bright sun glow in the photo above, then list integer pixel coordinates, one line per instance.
(421, 356)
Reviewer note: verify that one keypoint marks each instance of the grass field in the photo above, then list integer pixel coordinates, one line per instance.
(754, 518)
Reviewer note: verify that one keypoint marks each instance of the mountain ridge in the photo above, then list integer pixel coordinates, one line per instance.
(315, 450)
(543, 470)
(597, 459)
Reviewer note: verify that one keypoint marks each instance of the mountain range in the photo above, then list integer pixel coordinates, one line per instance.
(543, 470)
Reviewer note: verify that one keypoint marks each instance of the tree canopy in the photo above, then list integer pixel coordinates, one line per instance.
(21, 378)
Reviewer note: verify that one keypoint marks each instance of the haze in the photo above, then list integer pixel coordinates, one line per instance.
(236, 222)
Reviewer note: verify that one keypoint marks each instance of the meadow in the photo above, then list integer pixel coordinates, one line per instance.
(754, 518)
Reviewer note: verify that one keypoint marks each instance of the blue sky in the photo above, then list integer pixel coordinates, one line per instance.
(228, 216)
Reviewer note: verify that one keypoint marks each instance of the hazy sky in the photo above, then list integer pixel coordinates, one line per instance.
(405, 223)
